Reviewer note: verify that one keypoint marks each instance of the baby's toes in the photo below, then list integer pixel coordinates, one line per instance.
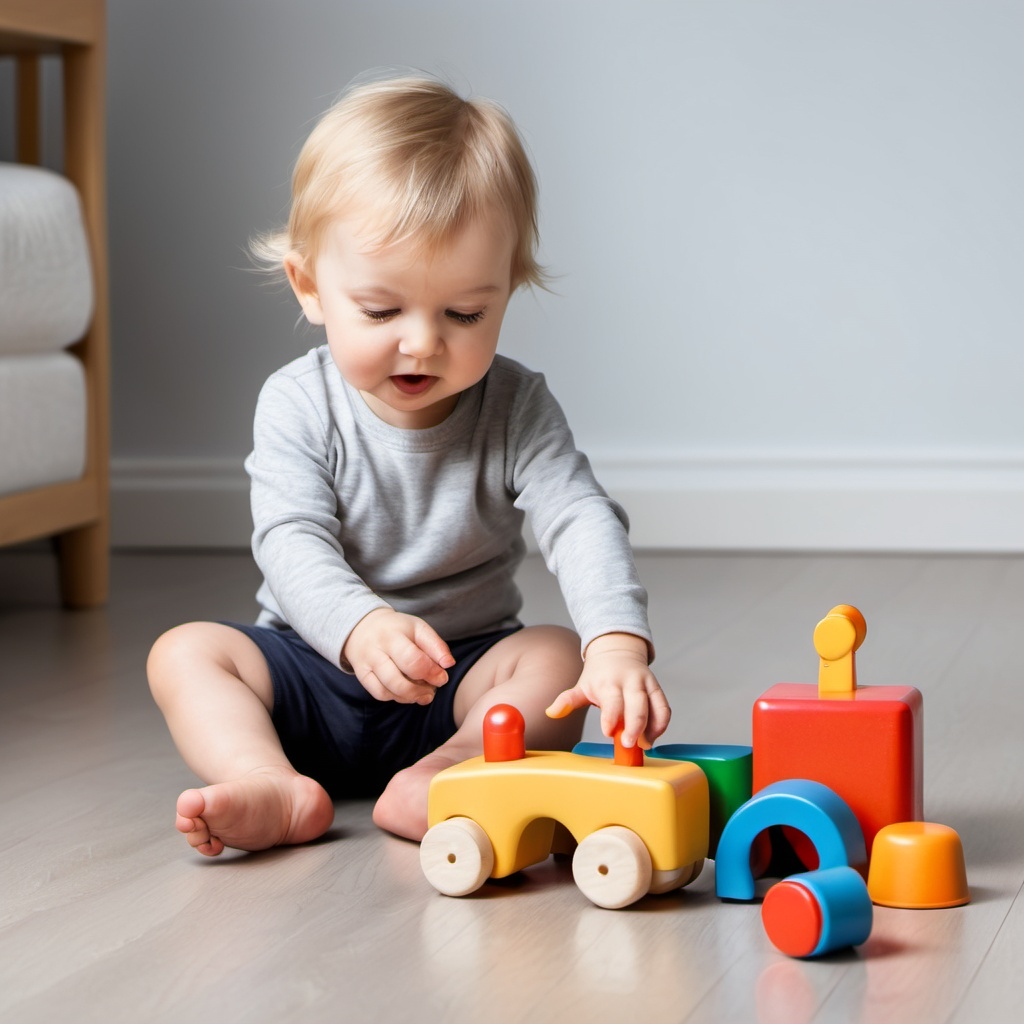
(191, 804)
(194, 829)
(213, 847)
(189, 825)
(198, 836)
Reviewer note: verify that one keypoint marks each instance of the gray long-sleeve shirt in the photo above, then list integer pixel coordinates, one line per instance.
(351, 514)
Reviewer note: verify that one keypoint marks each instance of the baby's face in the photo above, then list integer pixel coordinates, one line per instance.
(410, 330)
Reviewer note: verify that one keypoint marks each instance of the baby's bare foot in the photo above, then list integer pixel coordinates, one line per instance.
(267, 807)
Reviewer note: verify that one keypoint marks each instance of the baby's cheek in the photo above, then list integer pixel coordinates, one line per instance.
(361, 369)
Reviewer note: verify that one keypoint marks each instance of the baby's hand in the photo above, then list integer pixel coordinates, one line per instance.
(397, 657)
(617, 679)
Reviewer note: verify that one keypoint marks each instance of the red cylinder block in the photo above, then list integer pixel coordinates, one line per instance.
(792, 918)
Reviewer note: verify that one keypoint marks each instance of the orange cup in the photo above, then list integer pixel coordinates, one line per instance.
(917, 865)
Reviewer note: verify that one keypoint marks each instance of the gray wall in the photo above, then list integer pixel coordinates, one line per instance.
(788, 235)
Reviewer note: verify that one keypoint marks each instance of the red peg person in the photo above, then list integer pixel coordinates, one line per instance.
(504, 734)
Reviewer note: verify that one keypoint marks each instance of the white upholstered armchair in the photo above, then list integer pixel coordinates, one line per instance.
(54, 336)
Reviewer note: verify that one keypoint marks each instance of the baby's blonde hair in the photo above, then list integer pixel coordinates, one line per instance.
(421, 162)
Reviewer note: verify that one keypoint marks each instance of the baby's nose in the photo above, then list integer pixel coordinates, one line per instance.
(420, 341)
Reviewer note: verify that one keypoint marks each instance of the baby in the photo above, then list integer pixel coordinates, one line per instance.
(392, 468)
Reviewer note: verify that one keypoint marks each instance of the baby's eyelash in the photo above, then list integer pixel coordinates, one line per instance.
(465, 318)
(379, 314)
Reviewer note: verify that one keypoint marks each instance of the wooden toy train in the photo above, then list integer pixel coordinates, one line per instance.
(834, 770)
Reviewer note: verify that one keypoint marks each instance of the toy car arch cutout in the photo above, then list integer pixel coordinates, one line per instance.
(812, 808)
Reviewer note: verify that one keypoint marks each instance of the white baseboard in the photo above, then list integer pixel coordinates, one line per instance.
(179, 503)
(958, 502)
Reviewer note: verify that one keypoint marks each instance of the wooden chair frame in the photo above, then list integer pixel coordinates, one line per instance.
(76, 514)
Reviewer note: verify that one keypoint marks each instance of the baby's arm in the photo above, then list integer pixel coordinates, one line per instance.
(582, 536)
(617, 679)
(297, 521)
(397, 657)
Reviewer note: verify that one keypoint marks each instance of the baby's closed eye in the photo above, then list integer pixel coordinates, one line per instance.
(465, 318)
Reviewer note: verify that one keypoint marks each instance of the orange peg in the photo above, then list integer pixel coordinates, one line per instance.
(632, 757)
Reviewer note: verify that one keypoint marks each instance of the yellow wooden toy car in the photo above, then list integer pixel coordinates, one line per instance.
(638, 829)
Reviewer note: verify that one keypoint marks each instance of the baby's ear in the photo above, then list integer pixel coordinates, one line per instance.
(304, 286)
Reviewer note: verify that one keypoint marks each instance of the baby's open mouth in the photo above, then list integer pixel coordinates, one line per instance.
(412, 383)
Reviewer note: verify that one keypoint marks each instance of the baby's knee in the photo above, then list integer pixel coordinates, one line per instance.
(553, 638)
(198, 653)
(558, 649)
(163, 656)
(173, 654)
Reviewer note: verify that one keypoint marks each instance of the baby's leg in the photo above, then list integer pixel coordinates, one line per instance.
(213, 686)
(528, 669)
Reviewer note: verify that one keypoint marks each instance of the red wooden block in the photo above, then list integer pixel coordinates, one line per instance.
(866, 745)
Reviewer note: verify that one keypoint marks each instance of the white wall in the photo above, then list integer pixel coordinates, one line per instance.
(789, 236)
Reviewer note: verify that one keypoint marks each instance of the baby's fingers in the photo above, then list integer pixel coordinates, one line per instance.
(613, 718)
(406, 674)
(567, 702)
(433, 647)
(658, 715)
(416, 664)
(385, 680)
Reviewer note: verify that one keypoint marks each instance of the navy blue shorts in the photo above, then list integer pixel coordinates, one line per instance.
(335, 732)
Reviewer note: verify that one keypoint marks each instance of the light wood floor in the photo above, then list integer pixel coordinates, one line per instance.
(108, 916)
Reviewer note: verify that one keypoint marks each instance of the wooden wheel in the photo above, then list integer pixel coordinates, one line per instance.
(666, 881)
(612, 867)
(456, 856)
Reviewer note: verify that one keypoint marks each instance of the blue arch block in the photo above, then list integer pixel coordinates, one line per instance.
(817, 811)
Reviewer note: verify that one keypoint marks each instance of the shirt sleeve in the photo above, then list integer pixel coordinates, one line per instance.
(307, 582)
(581, 531)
